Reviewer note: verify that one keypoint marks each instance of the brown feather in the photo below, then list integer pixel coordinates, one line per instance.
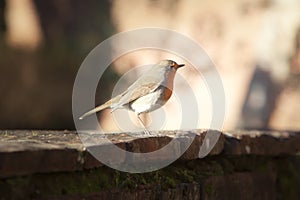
(134, 93)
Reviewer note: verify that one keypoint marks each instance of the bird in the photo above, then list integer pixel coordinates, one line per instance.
(148, 93)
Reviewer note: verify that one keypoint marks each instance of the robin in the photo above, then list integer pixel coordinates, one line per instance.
(150, 92)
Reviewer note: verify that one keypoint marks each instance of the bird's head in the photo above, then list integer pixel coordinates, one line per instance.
(169, 65)
(167, 69)
(164, 69)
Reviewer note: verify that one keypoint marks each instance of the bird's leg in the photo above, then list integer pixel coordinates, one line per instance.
(141, 122)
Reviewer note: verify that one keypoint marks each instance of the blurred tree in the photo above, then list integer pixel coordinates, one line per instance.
(2, 21)
(36, 85)
(23, 29)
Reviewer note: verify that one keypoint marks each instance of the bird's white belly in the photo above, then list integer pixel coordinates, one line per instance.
(147, 103)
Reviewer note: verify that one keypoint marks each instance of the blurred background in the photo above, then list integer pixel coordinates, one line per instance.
(255, 45)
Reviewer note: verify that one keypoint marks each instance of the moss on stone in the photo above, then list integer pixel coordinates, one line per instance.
(196, 171)
(208, 190)
(288, 178)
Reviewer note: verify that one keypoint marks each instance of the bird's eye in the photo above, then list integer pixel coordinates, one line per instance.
(172, 65)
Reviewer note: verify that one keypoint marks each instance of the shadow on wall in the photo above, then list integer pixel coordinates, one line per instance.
(260, 100)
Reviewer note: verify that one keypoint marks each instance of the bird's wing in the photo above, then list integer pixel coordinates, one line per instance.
(144, 85)
(138, 89)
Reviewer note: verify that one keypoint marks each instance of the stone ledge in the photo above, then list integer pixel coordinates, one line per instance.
(30, 152)
(242, 165)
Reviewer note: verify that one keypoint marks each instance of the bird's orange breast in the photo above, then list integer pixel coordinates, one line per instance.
(169, 85)
(167, 94)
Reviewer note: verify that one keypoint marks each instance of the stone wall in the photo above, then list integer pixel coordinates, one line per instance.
(242, 165)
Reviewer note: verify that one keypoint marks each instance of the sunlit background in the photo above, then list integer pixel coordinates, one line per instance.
(255, 45)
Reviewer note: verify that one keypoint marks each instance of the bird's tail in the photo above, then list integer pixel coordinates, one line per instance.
(97, 109)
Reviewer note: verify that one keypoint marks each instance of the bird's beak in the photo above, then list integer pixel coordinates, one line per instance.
(181, 65)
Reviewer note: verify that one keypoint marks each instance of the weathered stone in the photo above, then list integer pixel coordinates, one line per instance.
(28, 152)
(215, 177)
(190, 191)
(205, 143)
(183, 191)
(263, 143)
(245, 186)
